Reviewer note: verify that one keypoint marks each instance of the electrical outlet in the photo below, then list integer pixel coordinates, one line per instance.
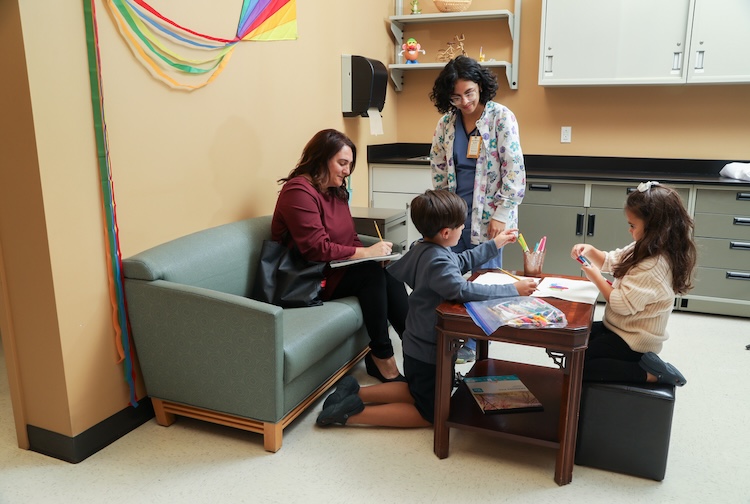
(566, 134)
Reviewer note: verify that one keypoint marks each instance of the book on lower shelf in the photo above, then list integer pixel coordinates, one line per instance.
(502, 394)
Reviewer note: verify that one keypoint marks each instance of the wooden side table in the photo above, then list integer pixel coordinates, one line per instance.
(559, 390)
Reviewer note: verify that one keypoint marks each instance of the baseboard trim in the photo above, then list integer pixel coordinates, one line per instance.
(78, 448)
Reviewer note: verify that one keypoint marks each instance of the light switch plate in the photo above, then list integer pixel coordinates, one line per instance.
(566, 134)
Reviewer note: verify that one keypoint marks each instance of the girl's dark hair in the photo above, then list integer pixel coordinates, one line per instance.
(314, 161)
(668, 231)
(437, 209)
(462, 68)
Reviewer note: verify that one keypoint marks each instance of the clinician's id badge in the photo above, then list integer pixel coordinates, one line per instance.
(475, 143)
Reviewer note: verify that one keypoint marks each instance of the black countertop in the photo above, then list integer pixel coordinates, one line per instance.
(618, 169)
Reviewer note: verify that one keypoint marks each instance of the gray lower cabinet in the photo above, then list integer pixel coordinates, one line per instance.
(722, 235)
(568, 213)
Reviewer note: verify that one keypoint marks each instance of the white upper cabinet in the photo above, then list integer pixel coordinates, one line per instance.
(621, 42)
(720, 45)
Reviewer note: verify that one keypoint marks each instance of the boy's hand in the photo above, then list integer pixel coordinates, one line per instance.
(506, 236)
(526, 286)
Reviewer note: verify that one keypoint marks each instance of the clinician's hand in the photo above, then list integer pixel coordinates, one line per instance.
(494, 228)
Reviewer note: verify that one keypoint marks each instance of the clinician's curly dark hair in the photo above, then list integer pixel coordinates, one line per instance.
(668, 231)
(462, 68)
(314, 161)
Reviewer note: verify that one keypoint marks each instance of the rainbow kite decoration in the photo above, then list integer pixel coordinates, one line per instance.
(185, 59)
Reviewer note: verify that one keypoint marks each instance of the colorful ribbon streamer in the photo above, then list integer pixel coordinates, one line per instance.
(116, 290)
(149, 34)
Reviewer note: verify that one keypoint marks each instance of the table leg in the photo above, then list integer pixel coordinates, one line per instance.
(443, 386)
(483, 349)
(569, 406)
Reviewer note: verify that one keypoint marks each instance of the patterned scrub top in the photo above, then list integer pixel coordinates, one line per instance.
(500, 179)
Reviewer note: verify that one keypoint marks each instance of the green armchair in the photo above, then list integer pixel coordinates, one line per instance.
(208, 351)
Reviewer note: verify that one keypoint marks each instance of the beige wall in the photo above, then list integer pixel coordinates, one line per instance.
(184, 161)
(704, 122)
(181, 161)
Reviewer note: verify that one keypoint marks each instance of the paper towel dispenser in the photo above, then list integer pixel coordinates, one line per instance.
(363, 85)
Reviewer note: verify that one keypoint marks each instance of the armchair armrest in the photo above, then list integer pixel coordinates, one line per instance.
(207, 348)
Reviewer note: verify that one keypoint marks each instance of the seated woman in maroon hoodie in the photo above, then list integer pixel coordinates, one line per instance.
(313, 207)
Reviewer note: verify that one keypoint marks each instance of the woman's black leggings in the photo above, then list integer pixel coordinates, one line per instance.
(382, 298)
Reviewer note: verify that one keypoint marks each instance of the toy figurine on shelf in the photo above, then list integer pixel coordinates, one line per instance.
(415, 7)
(411, 51)
(454, 49)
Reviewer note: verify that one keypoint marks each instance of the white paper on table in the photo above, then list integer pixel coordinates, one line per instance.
(579, 291)
(496, 278)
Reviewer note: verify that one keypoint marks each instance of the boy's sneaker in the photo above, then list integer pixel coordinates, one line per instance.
(340, 412)
(465, 355)
(347, 386)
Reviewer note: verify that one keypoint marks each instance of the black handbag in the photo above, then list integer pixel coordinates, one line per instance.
(285, 278)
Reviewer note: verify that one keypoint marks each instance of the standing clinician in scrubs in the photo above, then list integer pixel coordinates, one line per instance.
(476, 153)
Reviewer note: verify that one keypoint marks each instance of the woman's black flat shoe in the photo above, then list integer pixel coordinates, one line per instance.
(372, 370)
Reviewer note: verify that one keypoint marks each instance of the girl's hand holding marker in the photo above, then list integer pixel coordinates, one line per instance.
(588, 267)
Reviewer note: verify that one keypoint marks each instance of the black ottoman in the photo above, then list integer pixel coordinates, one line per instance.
(625, 428)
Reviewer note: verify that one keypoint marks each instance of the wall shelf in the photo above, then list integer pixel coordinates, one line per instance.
(399, 22)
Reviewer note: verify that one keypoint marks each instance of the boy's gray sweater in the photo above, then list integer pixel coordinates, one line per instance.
(435, 274)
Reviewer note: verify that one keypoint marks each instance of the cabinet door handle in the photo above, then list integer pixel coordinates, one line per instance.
(579, 224)
(591, 226)
(540, 187)
(741, 221)
(738, 275)
(739, 245)
(630, 190)
(743, 196)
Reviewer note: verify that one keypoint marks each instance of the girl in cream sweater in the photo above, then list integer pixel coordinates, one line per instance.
(648, 274)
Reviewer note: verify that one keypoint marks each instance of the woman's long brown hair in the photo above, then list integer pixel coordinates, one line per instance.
(314, 161)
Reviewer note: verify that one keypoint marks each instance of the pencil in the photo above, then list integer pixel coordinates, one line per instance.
(378, 230)
(510, 274)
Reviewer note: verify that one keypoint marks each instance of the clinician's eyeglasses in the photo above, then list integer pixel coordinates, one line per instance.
(469, 95)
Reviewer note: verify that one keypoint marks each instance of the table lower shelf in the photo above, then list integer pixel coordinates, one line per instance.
(539, 427)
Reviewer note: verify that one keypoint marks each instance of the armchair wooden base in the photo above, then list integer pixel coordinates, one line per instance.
(167, 411)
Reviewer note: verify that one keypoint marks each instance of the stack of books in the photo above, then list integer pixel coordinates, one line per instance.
(502, 394)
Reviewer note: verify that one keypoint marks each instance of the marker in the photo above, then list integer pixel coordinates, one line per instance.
(542, 243)
(522, 243)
